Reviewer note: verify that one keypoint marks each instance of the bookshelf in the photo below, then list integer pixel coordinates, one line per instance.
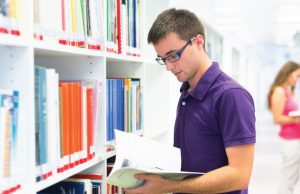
(19, 55)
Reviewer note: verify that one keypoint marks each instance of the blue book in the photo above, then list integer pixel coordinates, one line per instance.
(43, 114)
(40, 119)
(65, 187)
(110, 119)
(134, 24)
(37, 123)
(115, 107)
(96, 187)
(121, 104)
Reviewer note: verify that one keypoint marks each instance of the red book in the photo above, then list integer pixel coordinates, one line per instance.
(119, 27)
(94, 176)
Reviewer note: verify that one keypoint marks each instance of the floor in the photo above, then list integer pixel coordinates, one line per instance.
(265, 174)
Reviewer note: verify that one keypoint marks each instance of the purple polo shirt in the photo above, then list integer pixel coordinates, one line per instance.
(218, 113)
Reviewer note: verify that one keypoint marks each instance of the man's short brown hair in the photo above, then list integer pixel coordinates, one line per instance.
(182, 22)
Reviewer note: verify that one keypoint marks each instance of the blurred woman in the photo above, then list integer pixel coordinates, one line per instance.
(281, 101)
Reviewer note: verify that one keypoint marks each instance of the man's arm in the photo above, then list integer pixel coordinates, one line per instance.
(235, 176)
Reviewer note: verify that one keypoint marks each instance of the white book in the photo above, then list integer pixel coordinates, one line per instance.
(57, 117)
(50, 13)
(124, 28)
(79, 21)
(2, 144)
(99, 11)
(96, 111)
(9, 161)
(134, 84)
(52, 113)
(68, 21)
(135, 154)
(295, 113)
(93, 21)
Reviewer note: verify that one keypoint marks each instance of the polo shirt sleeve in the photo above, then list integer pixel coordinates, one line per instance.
(237, 117)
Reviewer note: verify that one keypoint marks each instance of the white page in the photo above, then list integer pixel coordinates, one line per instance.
(140, 155)
(146, 154)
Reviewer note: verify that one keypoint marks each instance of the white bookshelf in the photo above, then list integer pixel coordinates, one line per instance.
(58, 177)
(19, 55)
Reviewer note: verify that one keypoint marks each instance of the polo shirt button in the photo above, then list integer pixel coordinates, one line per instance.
(183, 103)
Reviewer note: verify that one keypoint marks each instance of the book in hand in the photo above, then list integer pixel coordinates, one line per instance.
(135, 154)
(295, 113)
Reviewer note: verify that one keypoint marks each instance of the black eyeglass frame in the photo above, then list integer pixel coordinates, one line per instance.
(174, 56)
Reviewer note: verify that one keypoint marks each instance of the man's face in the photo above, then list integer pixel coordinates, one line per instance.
(185, 67)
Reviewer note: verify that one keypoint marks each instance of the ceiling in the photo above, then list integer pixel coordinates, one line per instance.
(259, 21)
(250, 22)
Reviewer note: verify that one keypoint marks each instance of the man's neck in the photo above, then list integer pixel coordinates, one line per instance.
(202, 69)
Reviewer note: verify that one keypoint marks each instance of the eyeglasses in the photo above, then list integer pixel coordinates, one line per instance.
(174, 56)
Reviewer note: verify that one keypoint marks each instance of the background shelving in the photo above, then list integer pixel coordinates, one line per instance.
(160, 90)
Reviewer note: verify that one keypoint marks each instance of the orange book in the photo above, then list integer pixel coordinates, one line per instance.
(76, 121)
(71, 122)
(108, 187)
(64, 122)
(80, 133)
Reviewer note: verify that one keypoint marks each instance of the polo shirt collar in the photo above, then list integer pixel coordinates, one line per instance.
(204, 83)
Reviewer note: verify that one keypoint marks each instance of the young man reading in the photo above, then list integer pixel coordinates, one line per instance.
(215, 122)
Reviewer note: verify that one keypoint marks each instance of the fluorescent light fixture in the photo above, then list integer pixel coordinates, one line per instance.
(288, 18)
(287, 2)
(239, 27)
(227, 10)
(287, 9)
(288, 26)
(227, 2)
(230, 20)
(288, 14)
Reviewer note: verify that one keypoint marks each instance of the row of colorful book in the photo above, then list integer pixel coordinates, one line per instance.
(66, 121)
(77, 184)
(72, 22)
(9, 17)
(9, 169)
(112, 189)
(123, 26)
(124, 109)
(81, 23)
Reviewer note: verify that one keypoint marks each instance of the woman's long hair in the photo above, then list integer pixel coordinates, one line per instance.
(281, 78)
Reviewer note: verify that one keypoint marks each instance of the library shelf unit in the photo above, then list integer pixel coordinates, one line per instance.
(17, 72)
(19, 55)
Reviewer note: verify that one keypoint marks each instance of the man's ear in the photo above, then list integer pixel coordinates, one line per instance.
(199, 40)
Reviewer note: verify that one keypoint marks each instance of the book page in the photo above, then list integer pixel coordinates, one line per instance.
(141, 153)
(136, 154)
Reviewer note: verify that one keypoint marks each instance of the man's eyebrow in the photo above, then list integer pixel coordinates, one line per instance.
(169, 52)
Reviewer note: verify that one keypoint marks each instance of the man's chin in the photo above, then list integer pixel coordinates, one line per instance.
(181, 79)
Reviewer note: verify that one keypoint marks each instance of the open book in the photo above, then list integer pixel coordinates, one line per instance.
(295, 113)
(135, 154)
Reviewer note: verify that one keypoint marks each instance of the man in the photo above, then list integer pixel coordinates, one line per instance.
(215, 123)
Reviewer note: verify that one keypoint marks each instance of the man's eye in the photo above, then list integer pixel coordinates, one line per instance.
(173, 56)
